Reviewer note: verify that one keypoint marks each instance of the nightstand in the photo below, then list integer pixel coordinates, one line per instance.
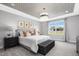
(10, 42)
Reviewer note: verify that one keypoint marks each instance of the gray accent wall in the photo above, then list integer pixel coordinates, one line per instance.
(72, 28)
(44, 28)
(9, 22)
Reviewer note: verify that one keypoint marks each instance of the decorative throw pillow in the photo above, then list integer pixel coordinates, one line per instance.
(24, 34)
(28, 34)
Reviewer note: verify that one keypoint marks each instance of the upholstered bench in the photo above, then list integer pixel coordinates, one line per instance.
(45, 47)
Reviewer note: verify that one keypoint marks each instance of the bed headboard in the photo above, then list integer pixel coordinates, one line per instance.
(27, 28)
(29, 32)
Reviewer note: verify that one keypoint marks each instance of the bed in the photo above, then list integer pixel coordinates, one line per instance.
(33, 41)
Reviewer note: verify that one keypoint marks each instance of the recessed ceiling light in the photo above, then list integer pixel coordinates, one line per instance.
(12, 4)
(66, 11)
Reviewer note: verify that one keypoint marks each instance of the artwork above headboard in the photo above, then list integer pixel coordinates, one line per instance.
(27, 28)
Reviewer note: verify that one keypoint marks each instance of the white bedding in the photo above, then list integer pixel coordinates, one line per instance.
(33, 41)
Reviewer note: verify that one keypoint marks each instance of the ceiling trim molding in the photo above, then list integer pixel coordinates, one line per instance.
(17, 12)
(64, 16)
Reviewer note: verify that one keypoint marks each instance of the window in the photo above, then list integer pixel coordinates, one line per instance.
(56, 27)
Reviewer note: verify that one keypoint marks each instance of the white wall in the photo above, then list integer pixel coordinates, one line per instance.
(72, 28)
(9, 21)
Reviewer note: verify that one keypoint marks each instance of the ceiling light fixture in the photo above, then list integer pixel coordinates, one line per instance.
(44, 15)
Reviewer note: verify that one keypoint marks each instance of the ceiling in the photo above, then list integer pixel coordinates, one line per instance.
(34, 9)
